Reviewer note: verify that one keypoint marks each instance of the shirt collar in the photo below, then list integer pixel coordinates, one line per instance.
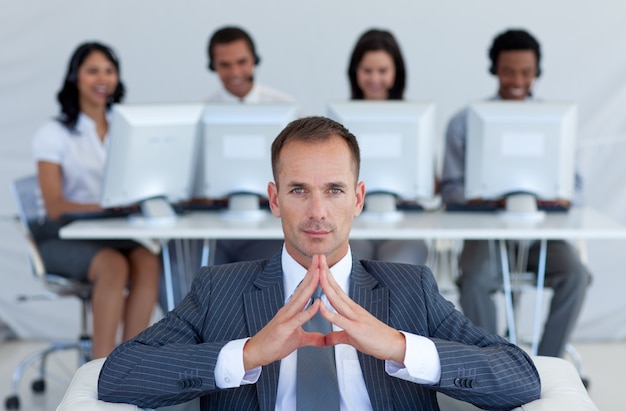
(84, 122)
(498, 98)
(293, 272)
(253, 95)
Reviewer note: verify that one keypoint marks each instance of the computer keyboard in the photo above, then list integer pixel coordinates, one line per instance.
(101, 214)
(409, 206)
(490, 206)
(212, 205)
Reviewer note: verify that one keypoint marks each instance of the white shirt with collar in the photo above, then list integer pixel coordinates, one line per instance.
(258, 94)
(81, 155)
(421, 366)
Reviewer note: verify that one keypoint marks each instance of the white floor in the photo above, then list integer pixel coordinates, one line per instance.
(603, 365)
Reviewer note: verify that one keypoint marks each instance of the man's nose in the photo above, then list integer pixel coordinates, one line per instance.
(518, 80)
(317, 207)
(236, 70)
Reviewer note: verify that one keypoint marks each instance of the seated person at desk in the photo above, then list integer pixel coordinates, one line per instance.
(376, 72)
(70, 153)
(233, 57)
(238, 339)
(515, 57)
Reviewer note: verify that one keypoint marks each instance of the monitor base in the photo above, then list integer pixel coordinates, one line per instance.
(155, 212)
(244, 207)
(522, 208)
(380, 207)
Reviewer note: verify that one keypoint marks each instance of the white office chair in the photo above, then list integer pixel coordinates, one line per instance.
(561, 389)
(522, 281)
(31, 214)
(444, 262)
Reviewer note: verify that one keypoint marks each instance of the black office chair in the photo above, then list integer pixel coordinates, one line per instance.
(31, 215)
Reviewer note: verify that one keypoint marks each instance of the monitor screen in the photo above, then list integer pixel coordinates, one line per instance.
(520, 147)
(396, 141)
(150, 153)
(235, 155)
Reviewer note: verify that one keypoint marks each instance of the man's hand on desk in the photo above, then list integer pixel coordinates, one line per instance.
(284, 333)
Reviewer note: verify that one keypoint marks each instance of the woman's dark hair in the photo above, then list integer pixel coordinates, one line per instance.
(68, 95)
(513, 40)
(376, 40)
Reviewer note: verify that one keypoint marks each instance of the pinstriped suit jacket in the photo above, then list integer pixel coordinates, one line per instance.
(173, 361)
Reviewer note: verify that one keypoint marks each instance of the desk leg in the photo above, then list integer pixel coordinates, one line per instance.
(541, 275)
(508, 294)
(167, 271)
(207, 258)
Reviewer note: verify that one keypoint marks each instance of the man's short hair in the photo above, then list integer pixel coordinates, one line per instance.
(227, 35)
(314, 129)
(514, 39)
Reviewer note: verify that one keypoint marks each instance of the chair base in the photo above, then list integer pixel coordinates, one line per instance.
(82, 346)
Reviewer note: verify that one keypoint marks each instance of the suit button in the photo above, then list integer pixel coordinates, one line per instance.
(458, 382)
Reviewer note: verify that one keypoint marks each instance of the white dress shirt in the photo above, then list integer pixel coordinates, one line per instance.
(258, 94)
(421, 359)
(81, 156)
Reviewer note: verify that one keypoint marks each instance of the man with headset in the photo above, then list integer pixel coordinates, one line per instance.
(515, 56)
(233, 57)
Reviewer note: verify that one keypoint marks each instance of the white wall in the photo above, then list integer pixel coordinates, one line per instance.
(304, 49)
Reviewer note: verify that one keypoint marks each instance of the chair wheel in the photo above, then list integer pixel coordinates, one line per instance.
(12, 403)
(38, 386)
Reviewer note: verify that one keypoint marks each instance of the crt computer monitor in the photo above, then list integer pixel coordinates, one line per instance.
(151, 156)
(396, 139)
(235, 158)
(521, 147)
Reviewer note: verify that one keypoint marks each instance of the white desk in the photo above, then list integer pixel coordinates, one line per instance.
(578, 223)
(581, 223)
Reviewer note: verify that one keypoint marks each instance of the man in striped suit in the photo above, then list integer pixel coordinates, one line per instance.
(234, 340)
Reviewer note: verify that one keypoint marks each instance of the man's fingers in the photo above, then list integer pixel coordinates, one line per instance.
(335, 294)
(302, 317)
(336, 337)
(313, 340)
(334, 317)
(303, 293)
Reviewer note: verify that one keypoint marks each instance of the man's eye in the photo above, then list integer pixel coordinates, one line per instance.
(297, 191)
(335, 191)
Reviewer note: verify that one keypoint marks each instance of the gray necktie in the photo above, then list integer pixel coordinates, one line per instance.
(316, 378)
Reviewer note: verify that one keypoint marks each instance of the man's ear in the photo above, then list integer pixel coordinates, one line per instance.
(272, 195)
(360, 198)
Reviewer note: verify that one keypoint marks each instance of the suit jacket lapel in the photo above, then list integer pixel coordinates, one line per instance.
(260, 306)
(364, 290)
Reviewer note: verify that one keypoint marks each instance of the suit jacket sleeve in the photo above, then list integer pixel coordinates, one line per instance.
(171, 362)
(477, 367)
